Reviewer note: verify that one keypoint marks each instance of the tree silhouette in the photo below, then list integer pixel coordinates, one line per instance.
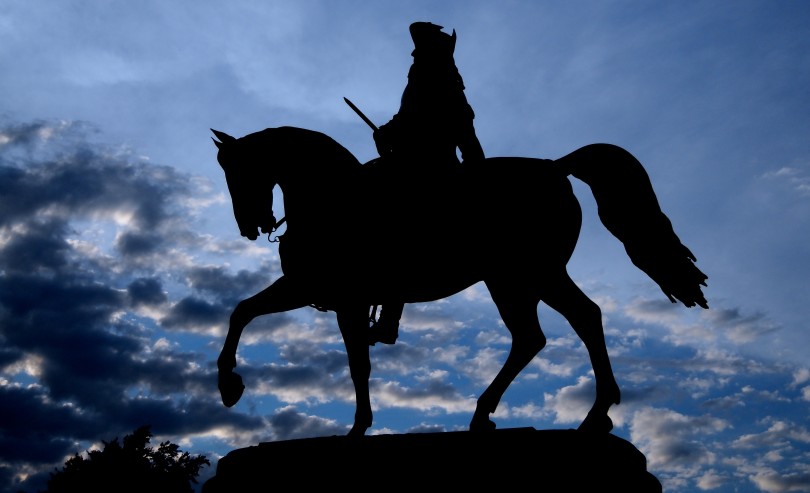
(133, 466)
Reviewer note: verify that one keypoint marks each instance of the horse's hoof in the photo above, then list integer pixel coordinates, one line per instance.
(357, 431)
(596, 424)
(230, 388)
(485, 424)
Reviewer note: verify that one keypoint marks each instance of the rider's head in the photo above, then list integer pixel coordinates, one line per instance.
(430, 41)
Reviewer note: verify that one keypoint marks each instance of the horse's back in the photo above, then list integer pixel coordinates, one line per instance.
(452, 219)
(532, 207)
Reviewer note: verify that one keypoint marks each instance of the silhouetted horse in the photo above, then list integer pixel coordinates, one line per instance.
(331, 249)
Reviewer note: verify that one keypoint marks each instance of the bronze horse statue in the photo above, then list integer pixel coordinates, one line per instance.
(330, 196)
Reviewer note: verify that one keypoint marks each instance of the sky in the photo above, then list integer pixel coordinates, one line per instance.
(120, 259)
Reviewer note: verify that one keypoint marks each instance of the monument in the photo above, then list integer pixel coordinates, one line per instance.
(539, 218)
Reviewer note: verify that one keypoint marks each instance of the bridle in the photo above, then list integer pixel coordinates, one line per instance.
(274, 229)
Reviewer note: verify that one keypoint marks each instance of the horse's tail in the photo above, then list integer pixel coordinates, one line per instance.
(629, 209)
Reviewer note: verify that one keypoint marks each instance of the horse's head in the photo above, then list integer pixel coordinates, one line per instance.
(250, 186)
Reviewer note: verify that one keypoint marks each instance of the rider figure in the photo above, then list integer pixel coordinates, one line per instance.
(434, 119)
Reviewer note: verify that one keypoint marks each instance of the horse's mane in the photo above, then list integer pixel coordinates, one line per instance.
(301, 143)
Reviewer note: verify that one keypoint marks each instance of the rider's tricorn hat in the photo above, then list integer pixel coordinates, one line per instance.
(429, 40)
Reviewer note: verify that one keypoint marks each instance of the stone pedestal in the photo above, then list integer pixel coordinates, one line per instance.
(513, 458)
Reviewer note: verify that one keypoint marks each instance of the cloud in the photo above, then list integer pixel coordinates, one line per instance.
(287, 423)
(571, 404)
(740, 328)
(797, 178)
(79, 324)
(217, 281)
(711, 480)
(659, 311)
(432, 394)
(779, 434)
(197, 315)
(801, 376)
(711, 327)
(772, 481)
(146, 291)
(725, 363)
(784, 467)
(55, 174)
(674, 442)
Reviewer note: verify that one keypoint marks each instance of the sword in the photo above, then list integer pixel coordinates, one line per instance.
(360, 114)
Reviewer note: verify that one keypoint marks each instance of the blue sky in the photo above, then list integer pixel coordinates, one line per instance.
(120, 259)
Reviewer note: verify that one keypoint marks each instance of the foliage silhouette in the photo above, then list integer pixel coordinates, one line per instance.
(133, 466)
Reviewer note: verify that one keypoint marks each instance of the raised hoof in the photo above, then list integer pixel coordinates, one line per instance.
(596, 424)
(231, 387)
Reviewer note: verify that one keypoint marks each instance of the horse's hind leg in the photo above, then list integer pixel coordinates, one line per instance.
(519, 313)
(586, 319)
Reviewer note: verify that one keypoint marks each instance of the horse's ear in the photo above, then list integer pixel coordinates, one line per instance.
(453, 42)
(217, 143)
(222, 136)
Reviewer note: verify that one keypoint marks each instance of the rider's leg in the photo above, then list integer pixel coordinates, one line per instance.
(386, 328)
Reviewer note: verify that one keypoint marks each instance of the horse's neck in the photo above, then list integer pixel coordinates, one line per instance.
(311, 169)
(309, 157)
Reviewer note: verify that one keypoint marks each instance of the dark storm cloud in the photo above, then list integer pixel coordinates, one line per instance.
(58, 173)
(182, 416)
(25, 135)
(9, 356)
(218, 282)
(87, 356)
(65, 322)
(146, 291)
(41, 246)
(37, 429)
(313, 355)
(216, 293)
(192, 313)
(34, 427)
(137, 244)
(287, 424)
(30, 412)
(292, 376)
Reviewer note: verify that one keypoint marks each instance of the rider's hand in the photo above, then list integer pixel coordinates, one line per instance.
(269, 225)
(382, 141)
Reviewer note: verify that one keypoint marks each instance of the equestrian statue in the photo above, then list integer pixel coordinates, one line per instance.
(418, 185)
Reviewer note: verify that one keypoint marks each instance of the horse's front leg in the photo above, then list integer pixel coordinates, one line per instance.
(353, 323)
(281, 296)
